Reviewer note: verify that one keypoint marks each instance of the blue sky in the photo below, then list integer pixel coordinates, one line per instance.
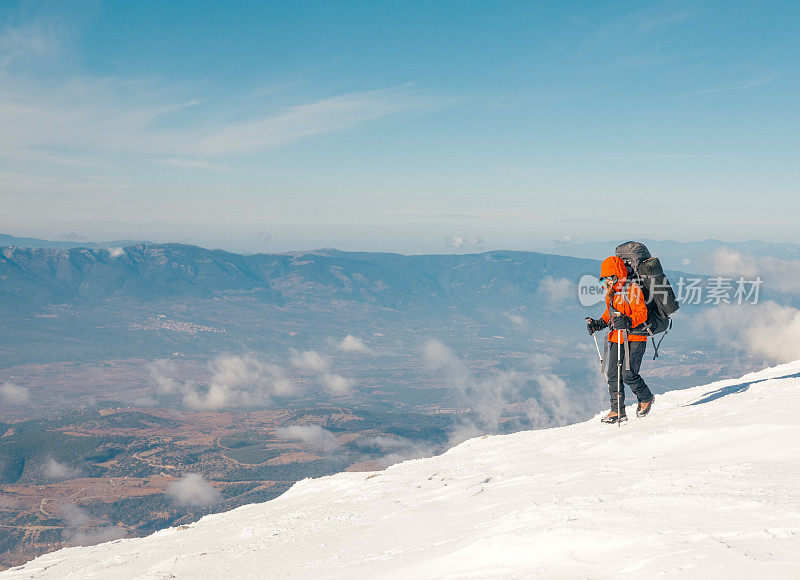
(413, 127)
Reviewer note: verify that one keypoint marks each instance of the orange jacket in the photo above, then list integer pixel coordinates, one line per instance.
(628, 301)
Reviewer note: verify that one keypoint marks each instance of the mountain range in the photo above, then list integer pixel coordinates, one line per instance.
(32, 277)
(9, 240)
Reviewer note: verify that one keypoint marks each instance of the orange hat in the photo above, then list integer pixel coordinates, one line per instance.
(614, 266)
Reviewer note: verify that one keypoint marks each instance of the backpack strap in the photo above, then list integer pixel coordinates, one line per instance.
(627, 352)
(653, 338)
(648, 329)
(625, 341)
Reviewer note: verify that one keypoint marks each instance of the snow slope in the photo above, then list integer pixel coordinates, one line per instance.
(707, 486)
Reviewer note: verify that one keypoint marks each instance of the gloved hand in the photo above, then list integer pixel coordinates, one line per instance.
(595, 325)
(621, 322)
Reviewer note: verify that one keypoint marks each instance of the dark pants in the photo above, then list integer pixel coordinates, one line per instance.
(631, 377)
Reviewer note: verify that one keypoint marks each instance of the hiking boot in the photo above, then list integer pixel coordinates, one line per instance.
(644, 407)
(613, 417)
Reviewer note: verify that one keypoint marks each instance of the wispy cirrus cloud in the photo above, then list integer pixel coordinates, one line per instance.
(194, 164)
(294, 123)
(31, 40)
(68, 118)
(97, 116)
(760, 79)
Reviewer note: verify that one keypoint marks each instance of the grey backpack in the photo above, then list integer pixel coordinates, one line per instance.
(646, 271)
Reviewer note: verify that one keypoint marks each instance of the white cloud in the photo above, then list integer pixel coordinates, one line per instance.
(555, 397)
(234, 381)
(763, 77)
(194, 164)
(767, 330)
(398, 449)
(240, 381)
(309, 360)
(351, 343)
(301, 121)
(162, 374)
(56, 470)
(79, 532)
(315, 362)
(777, 274)
(97, 116)
(542, 361)
(74, 516)
(486, 398)
(94, 536)
(193, 490)
(517, 320)
(311, 434)
(14, 395)
(567, 240)
(442, 358)
(727, 262)
(65, 129)
(115, 252)
(489, 397)
(27, 42)
(463, 242)
(336, 384)
(557, 290)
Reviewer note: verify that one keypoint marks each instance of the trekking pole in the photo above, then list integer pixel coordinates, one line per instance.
(597, 346)
(619, 375)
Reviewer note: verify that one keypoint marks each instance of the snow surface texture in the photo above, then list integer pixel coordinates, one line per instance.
(706, 486)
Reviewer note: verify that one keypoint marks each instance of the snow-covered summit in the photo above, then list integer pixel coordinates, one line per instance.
(707, 485)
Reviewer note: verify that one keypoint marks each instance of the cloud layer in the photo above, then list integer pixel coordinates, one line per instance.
(557, 290)
(193, 490)
(235, 381)
(14, 395)
(536, 392)
(777, 274)
(79, 530)
(351, 343)
(310, 434)
(767, 330)
(309, 361)
(464, 242)
(247, 381)
(56, 470)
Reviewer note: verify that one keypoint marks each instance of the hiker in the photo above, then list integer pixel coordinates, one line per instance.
(625, 309)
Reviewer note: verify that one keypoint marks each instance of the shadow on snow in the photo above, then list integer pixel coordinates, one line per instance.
(733, 389)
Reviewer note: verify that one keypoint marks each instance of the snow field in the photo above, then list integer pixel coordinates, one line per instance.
(706, 486)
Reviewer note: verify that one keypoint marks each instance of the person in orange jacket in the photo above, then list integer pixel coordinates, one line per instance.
(625, 309)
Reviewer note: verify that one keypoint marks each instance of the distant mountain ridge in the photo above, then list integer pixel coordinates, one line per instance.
(8, 240)
(695, 257)
(33, 277)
